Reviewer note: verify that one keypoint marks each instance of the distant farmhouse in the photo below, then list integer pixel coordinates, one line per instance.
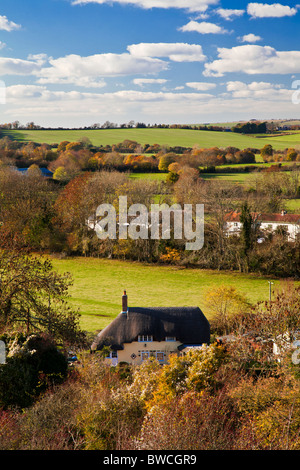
(139, 333)
(266, 223)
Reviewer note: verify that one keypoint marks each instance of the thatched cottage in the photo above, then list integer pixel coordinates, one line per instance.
(138, 333)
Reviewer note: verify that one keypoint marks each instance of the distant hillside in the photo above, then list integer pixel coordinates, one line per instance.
(168, 137)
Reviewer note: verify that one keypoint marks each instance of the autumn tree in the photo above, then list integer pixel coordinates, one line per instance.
(76, 206)
(26, 207)
(226, 304)
(278, 320)
(266, 151)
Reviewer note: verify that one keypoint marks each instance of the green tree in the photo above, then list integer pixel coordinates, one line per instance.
(266, 151)
(61, 174)
(246, 233)
(165, 161)
(33, 297)
(172, 177)
(291, 155)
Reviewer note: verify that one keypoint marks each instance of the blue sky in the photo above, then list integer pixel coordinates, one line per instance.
(80, 62)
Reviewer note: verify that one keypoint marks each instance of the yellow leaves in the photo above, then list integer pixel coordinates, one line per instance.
(273, 409)
(278, 426)
(225, 300)
(170, 256)
(194, 371)
(225, 303)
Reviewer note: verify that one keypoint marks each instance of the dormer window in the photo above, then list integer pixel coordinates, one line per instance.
(170, 338)
(145, 338)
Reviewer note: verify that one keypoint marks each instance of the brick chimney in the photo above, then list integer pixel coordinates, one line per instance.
(124, 302)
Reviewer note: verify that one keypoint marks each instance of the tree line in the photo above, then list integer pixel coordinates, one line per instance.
(16, 125)
(68, 159)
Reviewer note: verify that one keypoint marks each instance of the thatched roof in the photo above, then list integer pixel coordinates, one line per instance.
(187, 324)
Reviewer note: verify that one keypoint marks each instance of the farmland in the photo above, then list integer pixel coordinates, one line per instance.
(99, 284)
(171, 137)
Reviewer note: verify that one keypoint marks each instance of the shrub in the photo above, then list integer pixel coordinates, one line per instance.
(32, 366)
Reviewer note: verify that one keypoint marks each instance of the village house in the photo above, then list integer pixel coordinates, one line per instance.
(266, 223)
(138, 333)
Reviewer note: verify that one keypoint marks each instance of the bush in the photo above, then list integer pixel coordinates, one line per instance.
(32, 366)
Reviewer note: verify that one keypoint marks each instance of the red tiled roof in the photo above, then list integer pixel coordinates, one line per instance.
(285, 218)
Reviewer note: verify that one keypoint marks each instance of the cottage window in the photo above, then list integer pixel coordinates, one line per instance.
(112, 355)
(145, 355)
(160, 356)
(145, 338)
(170, 338)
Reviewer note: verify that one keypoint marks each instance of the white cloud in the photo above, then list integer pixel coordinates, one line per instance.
(275, 10)
(201, 86)
(258, 91)
(23, 92)
(253, 59)
(203, 28)
(202, 16)
(149, 81)
(11, 66)
(191, 5)
(7, 25)
(2, 45)
(140, 96)
(229, 14)
(40, 59)
(250, 38)
(177, 52)
(84, 82)
(86, 71)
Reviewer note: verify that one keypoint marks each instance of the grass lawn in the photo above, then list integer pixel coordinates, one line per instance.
(293, 205)
(149, 176)
(241, 178)
(182, 137)
(99, 284)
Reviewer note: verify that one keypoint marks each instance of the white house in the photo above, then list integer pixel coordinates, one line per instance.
(265, 223)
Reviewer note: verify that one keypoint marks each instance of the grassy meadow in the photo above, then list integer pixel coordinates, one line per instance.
(99, 284)
(171, 137)
(246, 179)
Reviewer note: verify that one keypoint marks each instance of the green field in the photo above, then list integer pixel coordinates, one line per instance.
(99, 284)
(293, 205)
(242, 178)
(149, 176)
(171, 137)
(246, 178)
